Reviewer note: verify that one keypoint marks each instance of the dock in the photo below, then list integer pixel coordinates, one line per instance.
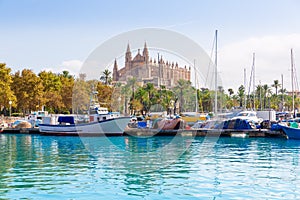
(180, 132)
(21, 130)
(206, 132)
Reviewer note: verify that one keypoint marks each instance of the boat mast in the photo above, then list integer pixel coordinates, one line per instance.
(282, 98)
(196, 86)
(245, 82)
(216, 74)
(253, 68)
(292, 76)
(159, 72)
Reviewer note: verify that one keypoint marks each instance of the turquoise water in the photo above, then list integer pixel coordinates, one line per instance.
(48, 167)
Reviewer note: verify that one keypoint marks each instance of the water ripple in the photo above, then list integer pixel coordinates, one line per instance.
(39, 167)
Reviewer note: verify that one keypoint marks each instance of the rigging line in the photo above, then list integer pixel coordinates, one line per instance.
(295, 76)
(250, 81)
(210, 62)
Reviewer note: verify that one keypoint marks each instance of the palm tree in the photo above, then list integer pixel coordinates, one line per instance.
(276, 85)
(132, 83)
(181, 86)
(241, 94)
(149, 88)
(106, 77)
(259, 93)
(267, 93)
(205, 97)
(230, 91)
(126, 92)
(141, 95)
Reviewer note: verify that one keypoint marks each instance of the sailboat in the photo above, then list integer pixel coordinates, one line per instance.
(292, 129)
(191, 118)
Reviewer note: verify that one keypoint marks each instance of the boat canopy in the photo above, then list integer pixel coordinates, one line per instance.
(66, 119)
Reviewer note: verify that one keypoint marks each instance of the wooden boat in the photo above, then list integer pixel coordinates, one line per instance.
(109, 127)
(169, 124)
(100, 122)
(159, 127)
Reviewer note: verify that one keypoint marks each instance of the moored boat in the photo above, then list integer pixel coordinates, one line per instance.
(99, 122)
(292, 132)
(109, 127)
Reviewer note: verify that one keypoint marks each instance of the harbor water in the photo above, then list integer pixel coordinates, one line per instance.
(52, 167)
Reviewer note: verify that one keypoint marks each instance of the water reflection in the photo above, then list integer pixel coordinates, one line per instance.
(124, 167)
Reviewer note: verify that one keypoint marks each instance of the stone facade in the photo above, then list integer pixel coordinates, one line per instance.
(146, 70)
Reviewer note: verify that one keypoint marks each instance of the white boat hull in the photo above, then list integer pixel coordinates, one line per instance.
(114, 126)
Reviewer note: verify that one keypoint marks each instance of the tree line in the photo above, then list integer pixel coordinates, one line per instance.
(64, 93)
(28, 91)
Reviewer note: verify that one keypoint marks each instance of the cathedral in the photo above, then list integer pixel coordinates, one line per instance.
(146, 70)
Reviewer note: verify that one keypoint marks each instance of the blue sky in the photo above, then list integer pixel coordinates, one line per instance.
(55, 34)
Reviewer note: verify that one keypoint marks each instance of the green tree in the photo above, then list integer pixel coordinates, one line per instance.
(52, 91)
(141, 95)
(230, 91)
(167, 100)
(106, 77)
(183, 91)
(205, 99)
(67, 82)
(6, 91)
(28, 89)
(152, 97)
(241, 94)
(267, 94)
(105, 95)
(126, 93)
(81, 95)
(276, 85)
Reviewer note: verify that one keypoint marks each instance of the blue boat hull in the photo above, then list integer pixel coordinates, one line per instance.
(291, 133)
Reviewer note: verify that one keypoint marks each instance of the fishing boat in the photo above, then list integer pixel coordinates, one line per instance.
(98, 122)
(292, 131)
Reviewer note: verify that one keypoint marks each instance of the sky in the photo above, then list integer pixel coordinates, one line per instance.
(60, 35)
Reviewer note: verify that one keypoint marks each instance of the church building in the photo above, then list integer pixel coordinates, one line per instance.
(146, 70)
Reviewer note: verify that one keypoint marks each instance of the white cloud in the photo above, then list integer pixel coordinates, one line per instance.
(272, 58)
(72, 66)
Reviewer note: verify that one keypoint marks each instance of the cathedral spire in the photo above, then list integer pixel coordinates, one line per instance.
(115, 71)
(128, 48)
(146, 53)
(128, 57)
(115, 64)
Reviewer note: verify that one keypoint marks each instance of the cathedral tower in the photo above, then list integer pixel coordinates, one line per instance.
(146, 53)
(115, 71)
(128, 57)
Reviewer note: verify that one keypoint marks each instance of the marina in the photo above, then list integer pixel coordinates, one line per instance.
(149, 100)
(38, 167)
